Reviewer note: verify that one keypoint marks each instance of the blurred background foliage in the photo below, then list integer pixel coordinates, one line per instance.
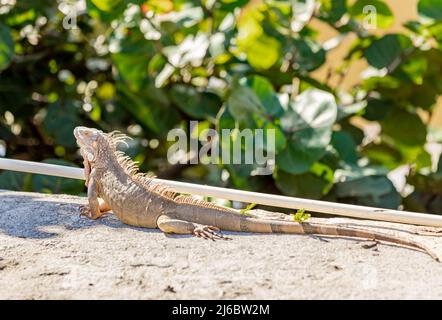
(145, 67)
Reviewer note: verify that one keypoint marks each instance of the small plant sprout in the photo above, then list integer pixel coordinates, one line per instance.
(248, 208)
(301, 216)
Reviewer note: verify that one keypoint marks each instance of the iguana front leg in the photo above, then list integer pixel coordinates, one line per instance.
(170, 224)
(95, 209)
(86, 167)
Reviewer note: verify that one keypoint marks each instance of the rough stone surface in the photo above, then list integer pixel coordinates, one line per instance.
(47, 251)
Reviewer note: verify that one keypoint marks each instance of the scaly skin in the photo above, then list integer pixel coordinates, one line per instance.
(114, 184)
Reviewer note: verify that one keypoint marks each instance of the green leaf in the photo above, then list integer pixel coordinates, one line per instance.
(372, 185)
(391, 200)
(381, 53)
(280, 139)
(263, 89)
(377, 109)
(333, 10)
(300, 216)
(382, 14)
(261, 49)
(352, 172)
(308, 124)
(308, 55)
(241, 178)
(6, 47)
(132, 56)
(264, 52)
(60, 122)
(415, 69)
(243, 101)
(366, 186)
(224, 119)
(148, 108)
(430, 9)
(376, 191)
(307, 185)
(343, 143)
(405, 128)
(383, 154)
(199, 105)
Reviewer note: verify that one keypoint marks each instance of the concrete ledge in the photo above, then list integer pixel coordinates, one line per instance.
(47, 251)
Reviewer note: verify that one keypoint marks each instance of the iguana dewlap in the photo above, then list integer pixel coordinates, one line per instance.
(114, 183)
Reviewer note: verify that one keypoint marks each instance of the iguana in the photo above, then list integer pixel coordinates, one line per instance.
(115, 184)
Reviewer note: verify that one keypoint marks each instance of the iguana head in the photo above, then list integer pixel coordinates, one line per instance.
(95, 144)
(92, 142)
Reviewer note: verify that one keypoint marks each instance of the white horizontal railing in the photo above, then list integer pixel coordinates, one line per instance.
(333, 208)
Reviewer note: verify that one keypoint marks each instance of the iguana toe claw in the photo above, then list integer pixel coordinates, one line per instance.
(208, 232)
(85, 211)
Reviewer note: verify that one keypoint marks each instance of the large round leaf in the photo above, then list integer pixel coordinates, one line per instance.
(345, 146)
(430, 9)
(243, 101)
(333, 10)
(263, 89)
(375, 191)
(199, 105)
(308, 55)
(377, 109)
(308, 124)
(264, 52)
(261, 49)
(382, 52)
(405, 128)
(372, 185)
(381, 13)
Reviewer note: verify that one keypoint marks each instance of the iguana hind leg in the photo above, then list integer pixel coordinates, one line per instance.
(104, 207)
(170, 224)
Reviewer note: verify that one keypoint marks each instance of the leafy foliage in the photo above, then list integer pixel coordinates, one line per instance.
(146, 67)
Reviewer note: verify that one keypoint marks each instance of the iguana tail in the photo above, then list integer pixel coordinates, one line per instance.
(254, 225)
(230, 220)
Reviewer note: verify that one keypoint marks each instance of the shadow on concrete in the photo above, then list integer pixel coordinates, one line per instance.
(29, 215)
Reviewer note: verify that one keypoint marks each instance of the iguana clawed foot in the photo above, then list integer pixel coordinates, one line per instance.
(208, 232)
(86, 211)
